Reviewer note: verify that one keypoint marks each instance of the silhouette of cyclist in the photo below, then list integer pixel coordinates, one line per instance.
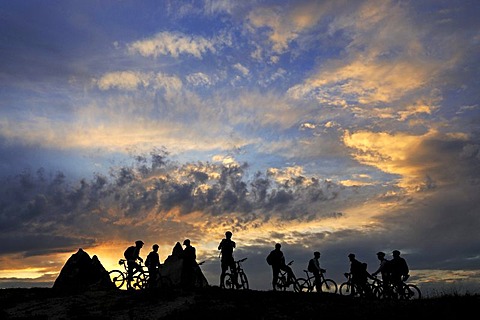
(398, 269)
(132, 254)
(277, 260)
(314, 267)
(153, 264)
(383, 269)
(360, 275)
(226, 246)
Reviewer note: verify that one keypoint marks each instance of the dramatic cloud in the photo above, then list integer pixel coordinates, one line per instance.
(338, 126)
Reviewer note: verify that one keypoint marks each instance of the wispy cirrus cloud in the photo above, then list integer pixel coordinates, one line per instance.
(286, 23)
(173, 44)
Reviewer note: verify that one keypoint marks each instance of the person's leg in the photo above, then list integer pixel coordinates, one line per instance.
(222, 274)
(275, 271)
(233, 270)
(130, 268)
(318, 286)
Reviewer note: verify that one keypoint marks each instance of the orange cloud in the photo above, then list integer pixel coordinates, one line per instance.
(391, 153)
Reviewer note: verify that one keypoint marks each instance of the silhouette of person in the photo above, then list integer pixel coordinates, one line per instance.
(398, 269)
(226, 246)
(277, 260)
(189, 256)
(153, 264)
(383, 269)
(314, 267)
(359, 273)
(132, 254)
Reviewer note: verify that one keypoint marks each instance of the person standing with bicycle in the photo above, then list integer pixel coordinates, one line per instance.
(360, 275)
(398, 269)
(314, 267)
(132, 254)
(383, 270)
(227, 261)
(277, 260)
(153, 264)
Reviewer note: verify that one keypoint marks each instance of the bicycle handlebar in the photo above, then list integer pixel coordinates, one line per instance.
(241, 260)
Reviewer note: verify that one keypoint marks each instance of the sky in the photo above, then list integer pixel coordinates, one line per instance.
(332, 126)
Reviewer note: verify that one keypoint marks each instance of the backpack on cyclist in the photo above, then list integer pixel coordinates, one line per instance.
(129, 253)
(270, 258)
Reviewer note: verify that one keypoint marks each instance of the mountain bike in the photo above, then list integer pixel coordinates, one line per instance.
(401, 291)
(121, 281)
(349, 288)
(242, 281)
(283, 284)
(160, 281)
(376, 286)
(308, 284)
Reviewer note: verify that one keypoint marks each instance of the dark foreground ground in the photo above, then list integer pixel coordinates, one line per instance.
(214, 303)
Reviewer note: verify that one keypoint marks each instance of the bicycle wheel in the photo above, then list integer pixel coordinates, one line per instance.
(295, 286)
(117, 277)
(303, 285)
(411, 292)
(378, 292)
(243, 281)
(140, 281)
(329, 286)
(281, 284)
(346, 289)
(228, 282)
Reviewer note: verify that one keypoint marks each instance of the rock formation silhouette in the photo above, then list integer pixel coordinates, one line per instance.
(81, 273)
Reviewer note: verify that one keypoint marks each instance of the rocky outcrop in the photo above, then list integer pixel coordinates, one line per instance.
(81, 273)
(173, 268)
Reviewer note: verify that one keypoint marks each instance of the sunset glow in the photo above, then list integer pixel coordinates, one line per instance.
(332, 126)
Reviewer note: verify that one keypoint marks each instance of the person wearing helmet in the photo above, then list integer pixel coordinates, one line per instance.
(398, 268)
(359, 274)
(314, 267)
(189, 265)
(226, 247)
(383, 269)
(153, 264)
(277, 260)
(132, 254)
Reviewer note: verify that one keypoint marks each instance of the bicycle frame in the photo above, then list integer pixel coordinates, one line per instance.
(120, 278)
(308, 284)
(350, 288)
(241, 280)
(400, 291)
(282, 283)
